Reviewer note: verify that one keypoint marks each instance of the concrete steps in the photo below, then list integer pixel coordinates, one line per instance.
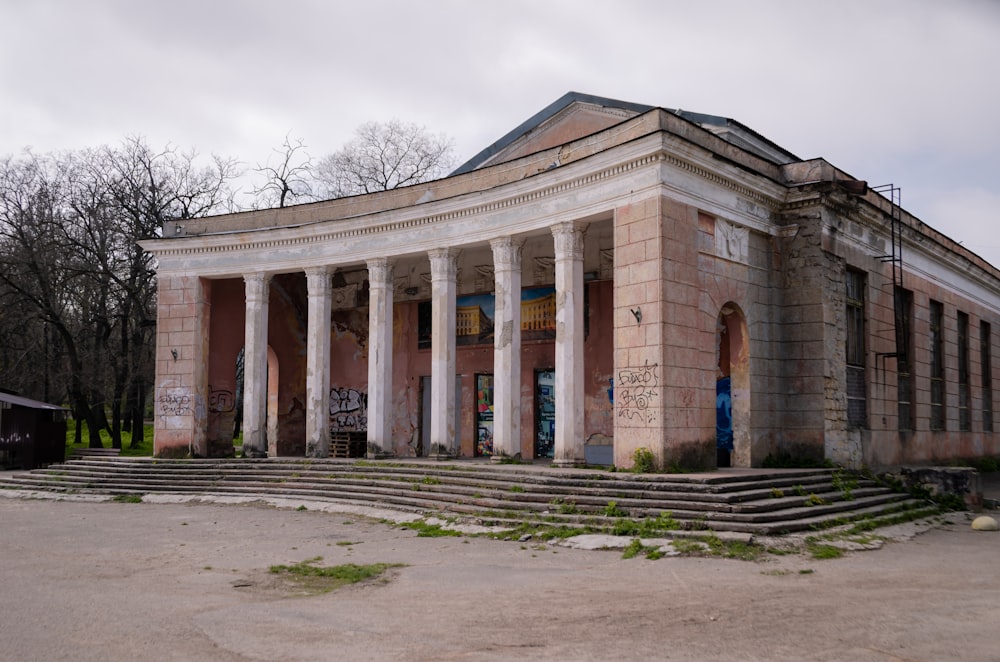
(749, 501)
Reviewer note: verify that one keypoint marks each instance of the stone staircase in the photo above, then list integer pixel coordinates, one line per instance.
(758, 501)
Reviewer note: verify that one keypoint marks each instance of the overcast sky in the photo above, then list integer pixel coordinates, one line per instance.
(891, 91)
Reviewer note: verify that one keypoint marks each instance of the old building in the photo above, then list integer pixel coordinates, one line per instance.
(607, 276)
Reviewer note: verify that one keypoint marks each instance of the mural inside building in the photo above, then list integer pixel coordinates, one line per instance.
(484, 414)
(475, 314)
(545, 417)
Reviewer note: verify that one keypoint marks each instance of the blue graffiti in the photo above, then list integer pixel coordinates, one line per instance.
(724, 414)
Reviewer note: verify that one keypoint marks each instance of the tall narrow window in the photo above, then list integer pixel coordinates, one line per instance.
(937, 365)
(857, 410)
(985, 358)
(964, 387)
(904, 358)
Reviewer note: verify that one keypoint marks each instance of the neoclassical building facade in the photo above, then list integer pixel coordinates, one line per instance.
(606, 277)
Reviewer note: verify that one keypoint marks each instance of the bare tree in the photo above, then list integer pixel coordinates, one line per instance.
(69, 259)
(384, 156)
(287, 179)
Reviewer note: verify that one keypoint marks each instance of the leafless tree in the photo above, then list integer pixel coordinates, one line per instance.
(68, 258)
(286, 178)
(384, 156)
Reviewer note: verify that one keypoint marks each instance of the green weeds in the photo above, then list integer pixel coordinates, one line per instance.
(317, 579)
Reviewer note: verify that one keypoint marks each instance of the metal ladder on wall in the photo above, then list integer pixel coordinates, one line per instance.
(893, 194)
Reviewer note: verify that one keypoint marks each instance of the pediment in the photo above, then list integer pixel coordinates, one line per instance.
(577, 120)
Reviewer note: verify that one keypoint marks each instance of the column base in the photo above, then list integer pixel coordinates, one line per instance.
(506, 459)
(375, 452)
(561, 462)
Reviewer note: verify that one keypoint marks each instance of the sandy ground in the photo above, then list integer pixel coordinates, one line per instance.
(118, 581)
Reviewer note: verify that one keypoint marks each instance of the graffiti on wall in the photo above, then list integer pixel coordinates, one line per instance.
(174, 402)
(348, 409)
(220, 401)
(636, 393)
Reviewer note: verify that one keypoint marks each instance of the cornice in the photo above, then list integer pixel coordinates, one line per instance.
(653, 150)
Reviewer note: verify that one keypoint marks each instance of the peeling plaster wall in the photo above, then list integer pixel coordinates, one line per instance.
(226, 333)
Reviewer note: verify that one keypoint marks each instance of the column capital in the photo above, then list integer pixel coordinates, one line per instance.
(257, 277)
(256, 285)
(380, 270)
(318, 279)
(319, 271)
(444, 263)
(506, 253)
(568, 237)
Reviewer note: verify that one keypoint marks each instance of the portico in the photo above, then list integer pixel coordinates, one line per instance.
(607, 279)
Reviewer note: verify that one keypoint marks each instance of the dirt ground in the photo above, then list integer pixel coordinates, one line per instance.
(148, 581)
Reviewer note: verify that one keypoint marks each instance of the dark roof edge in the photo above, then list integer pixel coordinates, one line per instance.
(28, 402)
(716, 120)
(538, 118)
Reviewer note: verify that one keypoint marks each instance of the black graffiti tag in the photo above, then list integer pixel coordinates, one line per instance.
(175, 404)
(636, 390)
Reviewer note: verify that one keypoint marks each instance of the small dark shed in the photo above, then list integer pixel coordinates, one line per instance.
(32, 433)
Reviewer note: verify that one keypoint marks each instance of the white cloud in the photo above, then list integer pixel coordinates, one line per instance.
(889, 90)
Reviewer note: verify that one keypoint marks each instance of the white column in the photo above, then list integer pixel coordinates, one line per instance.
(255, 365)
(569, 442)
(507, 348)
(318, 363)
(443, 275)
(380, 276)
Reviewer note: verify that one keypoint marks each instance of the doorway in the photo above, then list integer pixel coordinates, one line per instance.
(545, 413)
(484, 415)
(732, 386)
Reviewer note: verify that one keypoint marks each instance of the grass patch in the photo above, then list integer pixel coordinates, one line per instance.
(517, 489)
(823, 551)
(815, 500)
(733, 549)
(688, 546)
(318, 579)
(564, 506)
(425, 530)
(143, 447)
(540, 532)
(127, 498)
(612, 510)
(646, 527)
(846, 483)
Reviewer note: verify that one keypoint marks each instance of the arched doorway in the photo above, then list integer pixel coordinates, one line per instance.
(732, 389)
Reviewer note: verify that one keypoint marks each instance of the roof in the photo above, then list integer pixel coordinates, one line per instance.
(728, 129)
(18, 401)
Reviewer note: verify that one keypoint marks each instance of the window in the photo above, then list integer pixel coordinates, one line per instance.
(937, 365)
(985, 341)
(964, 387)
(857, 410)
(904, 358)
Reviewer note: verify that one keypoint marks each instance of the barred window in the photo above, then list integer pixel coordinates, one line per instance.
(937, 365)
(985, 358)
(904, 360)
(964, 386)
(857, 405)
